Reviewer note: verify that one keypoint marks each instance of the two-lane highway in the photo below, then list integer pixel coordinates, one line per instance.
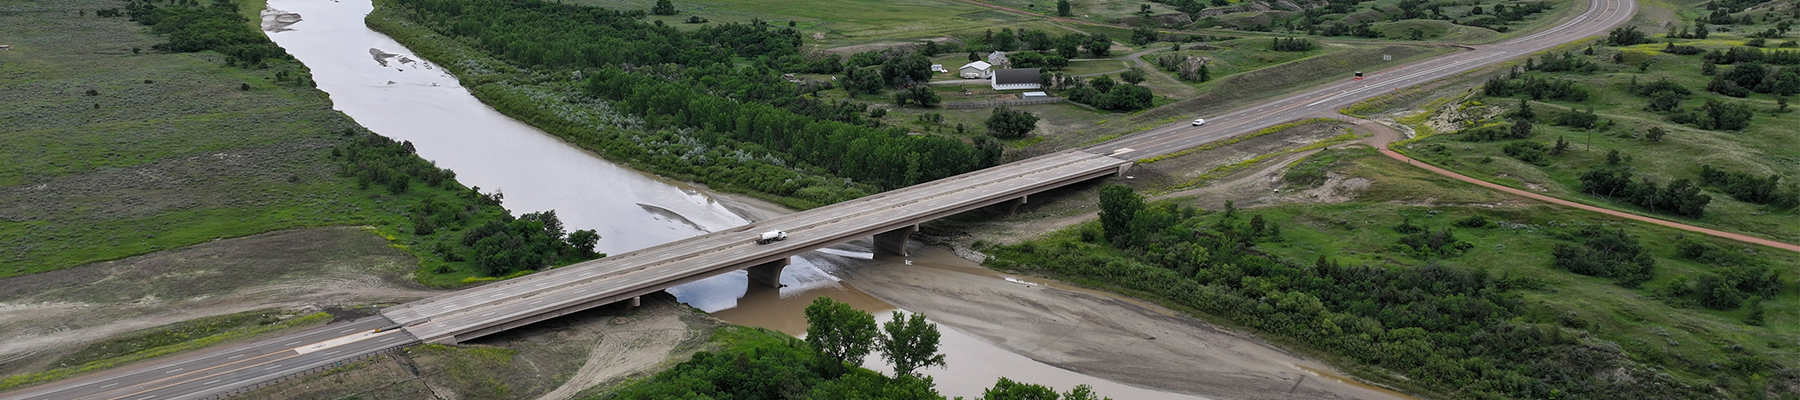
(503, 305)
(221, 370)
(1600, 16)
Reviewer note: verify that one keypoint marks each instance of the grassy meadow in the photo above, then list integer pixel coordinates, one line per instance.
(1763, 149)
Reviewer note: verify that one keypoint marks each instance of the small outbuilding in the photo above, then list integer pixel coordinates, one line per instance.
(1016, 79)
(976, 70)
(999, 58)
(938, 68)
(1034, 95)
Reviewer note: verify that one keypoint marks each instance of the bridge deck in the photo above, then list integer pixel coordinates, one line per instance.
(479, 311)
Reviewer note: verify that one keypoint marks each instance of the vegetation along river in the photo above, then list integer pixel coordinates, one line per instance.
(384, 87)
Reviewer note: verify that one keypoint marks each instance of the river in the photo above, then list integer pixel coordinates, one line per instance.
(387, 89)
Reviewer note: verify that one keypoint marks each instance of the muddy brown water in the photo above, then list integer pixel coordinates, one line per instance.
(386, 88)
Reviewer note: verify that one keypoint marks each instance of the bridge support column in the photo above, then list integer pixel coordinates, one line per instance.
(636, 301)
(895, 241)
(768, 274)
(1122, 169)
(1012, 206)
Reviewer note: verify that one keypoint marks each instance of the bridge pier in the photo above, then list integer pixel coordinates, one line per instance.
(768, 274)
(894, 241)
(1012, 206)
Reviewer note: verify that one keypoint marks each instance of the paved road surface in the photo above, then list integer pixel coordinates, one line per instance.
(216, 371)
(221, 370)
(1604, 15)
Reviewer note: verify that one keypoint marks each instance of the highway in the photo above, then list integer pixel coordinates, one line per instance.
(1602, 16)
(495, 307)
(219, 371)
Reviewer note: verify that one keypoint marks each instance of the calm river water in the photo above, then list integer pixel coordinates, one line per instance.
(410, 99)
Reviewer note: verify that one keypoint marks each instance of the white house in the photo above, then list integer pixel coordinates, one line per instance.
(999, 58)
(1015, 79)
(976, 70)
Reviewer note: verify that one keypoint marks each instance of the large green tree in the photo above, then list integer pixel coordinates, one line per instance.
(1062, 8)
(1118, 204)
(910, 343)
(839, 332)
(1009, 123)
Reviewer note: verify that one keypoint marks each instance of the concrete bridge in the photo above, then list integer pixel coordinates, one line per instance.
(890, 217)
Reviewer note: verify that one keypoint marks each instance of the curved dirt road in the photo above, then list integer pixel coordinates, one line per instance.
(1385, 135)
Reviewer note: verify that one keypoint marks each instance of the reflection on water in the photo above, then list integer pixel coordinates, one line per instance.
(384, 87)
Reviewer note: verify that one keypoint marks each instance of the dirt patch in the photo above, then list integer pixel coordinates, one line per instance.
(1096, 334)
(563, 358)
(312, 269)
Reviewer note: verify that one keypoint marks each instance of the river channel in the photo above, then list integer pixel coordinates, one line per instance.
(387, 89)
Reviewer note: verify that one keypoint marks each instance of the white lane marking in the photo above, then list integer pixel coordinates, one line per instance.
(272, 367)
(210, 382)
(173, 371)
(489, 313)
(236, 356)
(147, 397)
(385, 339)
(340, 341)
(334, 352)
(110, 385)
(293, 343)
(347, 330)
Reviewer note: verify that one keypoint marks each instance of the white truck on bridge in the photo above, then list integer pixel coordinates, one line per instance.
(770, 237)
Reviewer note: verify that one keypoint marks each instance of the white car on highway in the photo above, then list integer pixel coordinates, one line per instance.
(1199, 122)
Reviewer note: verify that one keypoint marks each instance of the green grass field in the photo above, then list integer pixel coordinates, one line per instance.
(1763, 149)
(1647, 328)
(114, 152)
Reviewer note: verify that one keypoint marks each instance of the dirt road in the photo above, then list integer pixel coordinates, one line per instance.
(1385, 135)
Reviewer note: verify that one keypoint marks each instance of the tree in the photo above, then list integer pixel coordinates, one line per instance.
(1144, 11)
(663, 7)
(1062, 8)
(1008, 123)
(839, 332)
(1007, 389)
(1144, 34)
(907, 69)
(1098, 45)
(1756, 313)
(584, 241)
(1655, 134)
(1118, 204)
(921, 94)
(910, 343)
(1521, 129)
(974, 57)
(1133, 76)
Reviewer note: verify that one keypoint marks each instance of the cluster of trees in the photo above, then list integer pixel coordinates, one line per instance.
(1607, 254)
(530, 242)
(1421, 241)
(1010, 123)
(1744, 78)
(1614, 180)
(1561, 62)
(762, 364)
(886, 157)
(1751, 188)
(1104, 93)
(1666, 97)
(735, 122)
(1462, 332)
(1069, 46)
(216, 26)
(1185, 67)
(1735, 278)
(1534, 87)
(494, 242)
(1626, 36)
(1502, 15)
(1292, 44)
